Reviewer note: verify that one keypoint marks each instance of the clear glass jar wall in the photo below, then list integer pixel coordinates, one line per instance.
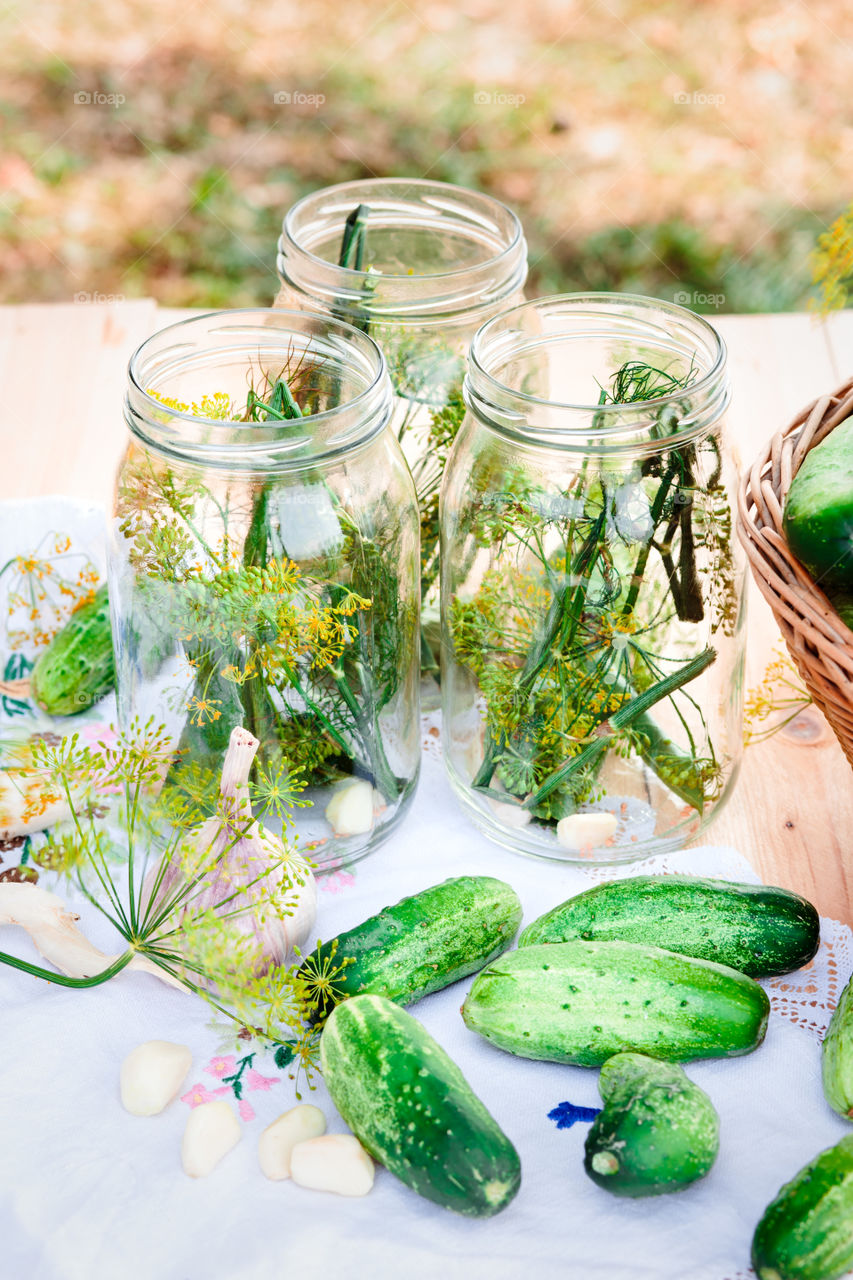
(264, 567)
(420, 266)
(592, 586)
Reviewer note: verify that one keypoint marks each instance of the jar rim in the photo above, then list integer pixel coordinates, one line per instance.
(506, 267)
(621, 418)
(362, 416)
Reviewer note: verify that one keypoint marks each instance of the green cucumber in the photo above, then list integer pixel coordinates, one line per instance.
(818, 518)
(411, 1107)
(76, 669)
(657, 1132)
(581, 1002)
(761, 931)
(806, 1233)
(421, 944)
(837, 1057)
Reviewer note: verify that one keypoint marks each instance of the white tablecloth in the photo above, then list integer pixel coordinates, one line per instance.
(89, 1192)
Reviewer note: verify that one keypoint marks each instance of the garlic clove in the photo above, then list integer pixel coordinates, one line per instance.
(350, 810)
(212, 1131)
(582, 832)
(151, 1076)
(279, 1138)
(511, 815)
(335, 1162)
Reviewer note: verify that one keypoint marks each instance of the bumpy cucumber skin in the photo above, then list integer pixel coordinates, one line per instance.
(77, 667)
(582, 1002)
(424, 942)
(818, 517)
(759, 930)
(806, 1233)
(658, 1131)
(837, 1057)
(411, 1107)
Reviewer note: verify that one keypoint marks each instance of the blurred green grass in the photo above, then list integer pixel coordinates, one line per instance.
(178, 192)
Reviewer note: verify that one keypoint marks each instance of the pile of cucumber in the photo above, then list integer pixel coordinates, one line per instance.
(590, 984)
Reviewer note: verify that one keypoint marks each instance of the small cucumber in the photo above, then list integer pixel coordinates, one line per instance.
(837, 1059)
(761, 931)
(421, 944)
(818, 518)
(658, 1131)
(411, 1107)
(582, 1002)
(77, 666)
(806, 1233)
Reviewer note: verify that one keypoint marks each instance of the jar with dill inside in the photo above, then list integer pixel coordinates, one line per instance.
(592, 586)
(419, 266)
(264, 570)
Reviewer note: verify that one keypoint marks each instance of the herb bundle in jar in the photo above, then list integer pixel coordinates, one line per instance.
(419, 266)
(264, 568)
(592, 587)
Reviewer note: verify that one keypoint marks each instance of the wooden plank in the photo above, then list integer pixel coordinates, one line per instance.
(63, 370)
(791, 813)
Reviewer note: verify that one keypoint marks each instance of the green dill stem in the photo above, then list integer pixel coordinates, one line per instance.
(643, 557)
(560, 624)
(620, 719)
(355, 234)
(61, 979)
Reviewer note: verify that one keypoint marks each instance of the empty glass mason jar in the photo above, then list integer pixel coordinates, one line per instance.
(419, 266)
(264, 568)
(592, 587)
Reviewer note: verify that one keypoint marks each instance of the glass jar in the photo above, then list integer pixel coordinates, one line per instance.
(264, 568)
(592, 587)
(424, 265)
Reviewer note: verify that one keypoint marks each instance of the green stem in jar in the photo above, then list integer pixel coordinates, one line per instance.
(633, 714)
(354, 237)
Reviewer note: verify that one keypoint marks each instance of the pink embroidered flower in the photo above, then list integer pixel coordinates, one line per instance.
(221, 1066)
(337, 881)
(198, 1095)
(247, 1111)
(96, 731)
(254, 1080)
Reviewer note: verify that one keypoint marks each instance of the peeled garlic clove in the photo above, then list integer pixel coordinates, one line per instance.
(212, 1130)
(336, 1162)
(350, 810)
(511, 815)
(581, 832)
(279, 1138)
(151, 1076)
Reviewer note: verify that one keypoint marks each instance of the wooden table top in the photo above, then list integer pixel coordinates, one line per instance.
(63, 369)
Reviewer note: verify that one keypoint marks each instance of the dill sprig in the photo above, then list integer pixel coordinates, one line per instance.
(567, 634)
(117, 853)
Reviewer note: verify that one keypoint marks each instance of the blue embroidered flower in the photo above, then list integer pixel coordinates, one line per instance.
(565, 1114)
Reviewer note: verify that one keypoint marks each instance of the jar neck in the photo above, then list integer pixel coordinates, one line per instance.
(332, 369)
(536, 371)
(431, 250)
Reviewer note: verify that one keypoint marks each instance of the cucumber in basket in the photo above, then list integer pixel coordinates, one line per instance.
(806, 1233)
(657, 1132)
(421, 944)
(411, 1107)
(761, 931)
(818, 519)
(582, 1002)
(77, 666)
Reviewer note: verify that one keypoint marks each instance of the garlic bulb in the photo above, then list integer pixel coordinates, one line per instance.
(241, 857)
(28, 803)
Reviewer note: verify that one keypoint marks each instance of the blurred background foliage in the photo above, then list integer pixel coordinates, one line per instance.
(667, 148)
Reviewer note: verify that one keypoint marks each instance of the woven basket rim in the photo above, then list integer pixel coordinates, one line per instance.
(820, 644)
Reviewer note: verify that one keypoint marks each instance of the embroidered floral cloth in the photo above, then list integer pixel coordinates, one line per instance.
(88, 1192)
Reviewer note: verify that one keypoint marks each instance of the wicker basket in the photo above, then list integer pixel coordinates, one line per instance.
(818, 641)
